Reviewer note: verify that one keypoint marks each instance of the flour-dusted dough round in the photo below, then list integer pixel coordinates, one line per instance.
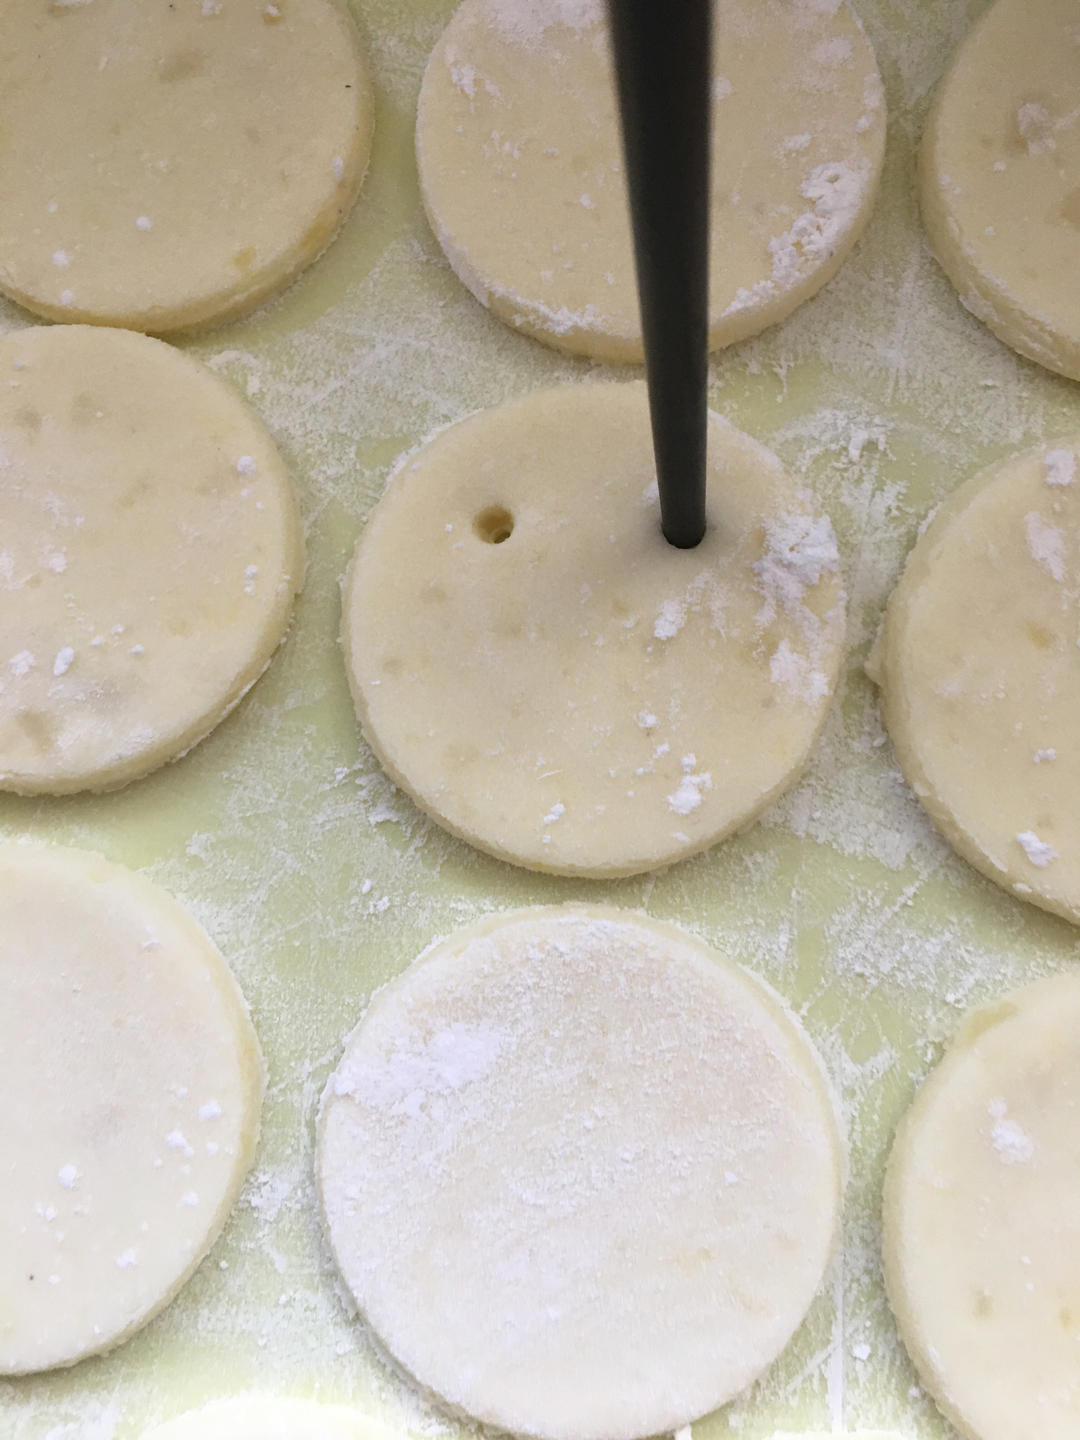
(981, 673)
(982, 1221)
(581, 1174)
(520, 162)
(132, 1083)
(1000, 177)
(164, 165)
(270, 1417)
(150, 550)
(551, 680)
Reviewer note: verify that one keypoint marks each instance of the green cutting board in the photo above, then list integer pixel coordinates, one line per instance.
(319, 881)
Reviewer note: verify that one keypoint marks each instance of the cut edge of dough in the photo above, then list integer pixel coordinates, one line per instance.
(884, 670)
(777, 1007)
(918, 1346)
(98, 870)
(616, 870)
(982, 294)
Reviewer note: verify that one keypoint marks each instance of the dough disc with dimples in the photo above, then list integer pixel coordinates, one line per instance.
(127, 1046)
(1000, 177)
(550, 679)
(581, 1174)
(520, 164)
(149, 555)
(980, 673)
(165, 165)
(982, 1226)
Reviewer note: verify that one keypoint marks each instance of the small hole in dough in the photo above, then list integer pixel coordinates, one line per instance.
(494, 525)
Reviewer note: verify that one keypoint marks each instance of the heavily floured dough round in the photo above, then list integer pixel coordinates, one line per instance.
(149, 555)
(1000, 177)
(169, 164)
(982, 1226)
(981, 673)
(133, 1084)
(270, 1417)
(580, 1173)
(520, 161)
(582, 697)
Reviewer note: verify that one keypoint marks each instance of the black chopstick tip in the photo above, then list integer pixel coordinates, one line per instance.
(686, 537)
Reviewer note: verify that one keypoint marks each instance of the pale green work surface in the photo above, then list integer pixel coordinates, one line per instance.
(319, 881)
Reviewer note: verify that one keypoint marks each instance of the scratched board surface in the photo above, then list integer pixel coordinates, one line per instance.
(319, 881)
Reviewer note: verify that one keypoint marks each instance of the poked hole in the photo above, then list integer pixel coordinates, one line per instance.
(493, 525)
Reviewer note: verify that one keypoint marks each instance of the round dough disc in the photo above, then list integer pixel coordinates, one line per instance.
(581, 1175)
(169, 164)
(981, 673)
(149, 555)
(520, 159)
(551, 680)
(266, 1417)
(138, 1081)
(982, 1227)
(1000, 177)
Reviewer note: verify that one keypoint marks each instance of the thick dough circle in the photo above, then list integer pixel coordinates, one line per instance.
(982, 1226)
(169, 164)
(266, 1417)
(149, 555)
(582, 697)
(980, 672)
(581, 1175)
(138, 1077)
(1000, 177)
(520, 161)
